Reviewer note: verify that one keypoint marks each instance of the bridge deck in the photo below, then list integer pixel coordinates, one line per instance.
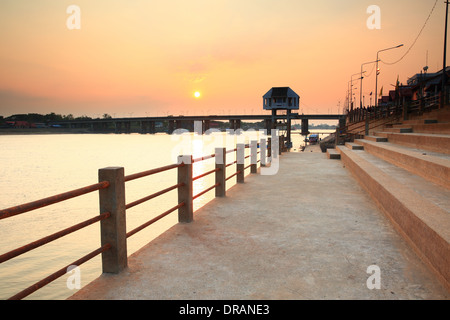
(308, 232)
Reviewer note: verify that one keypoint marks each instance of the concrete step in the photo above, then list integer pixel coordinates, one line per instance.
(402, 125)
(376, 138)
(441, 115)
(333, 154)
(436, 128)
(426, 141)
(354, 146)
(398, 130)
(432, 166)
(406, 200)
(420, 121)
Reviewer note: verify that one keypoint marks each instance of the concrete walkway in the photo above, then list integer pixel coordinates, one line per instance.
(308, 232)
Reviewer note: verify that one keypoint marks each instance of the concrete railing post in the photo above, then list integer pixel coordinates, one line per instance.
(221, 156)
(253, 156)
(113, 229)
(240, 162)
(263, 152)
(186, 212)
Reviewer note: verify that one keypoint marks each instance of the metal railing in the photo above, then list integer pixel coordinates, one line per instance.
(113, 207)
(361, 120)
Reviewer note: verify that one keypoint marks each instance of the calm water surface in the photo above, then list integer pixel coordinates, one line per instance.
(37, 166)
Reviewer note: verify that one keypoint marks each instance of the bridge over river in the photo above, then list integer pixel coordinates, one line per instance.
(148, 124)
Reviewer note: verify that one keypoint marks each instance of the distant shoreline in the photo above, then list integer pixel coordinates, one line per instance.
(7, 132)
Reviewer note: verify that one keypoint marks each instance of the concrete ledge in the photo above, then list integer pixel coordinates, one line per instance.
(432, 168)
(333, 154)
(424, 225)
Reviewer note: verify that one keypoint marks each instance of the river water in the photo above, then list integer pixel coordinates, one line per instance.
(37, 166)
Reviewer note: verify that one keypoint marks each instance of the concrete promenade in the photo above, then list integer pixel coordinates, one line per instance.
(308, 232)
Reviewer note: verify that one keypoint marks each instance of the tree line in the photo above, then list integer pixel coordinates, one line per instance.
(45, 118)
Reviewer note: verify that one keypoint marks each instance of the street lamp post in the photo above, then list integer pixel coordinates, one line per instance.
(360, 89)
(376, 78)
(351, 85)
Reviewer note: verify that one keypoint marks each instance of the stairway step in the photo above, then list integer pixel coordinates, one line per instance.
(333, 154)
(421, 121)
(399, 130)
(432, 166)
(436, 128)
(354, 146)
(376, 138)
(428, 190)
(381, 134)
(425, 225)
(426, 141)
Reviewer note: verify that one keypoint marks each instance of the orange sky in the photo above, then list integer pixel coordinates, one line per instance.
(147, 58)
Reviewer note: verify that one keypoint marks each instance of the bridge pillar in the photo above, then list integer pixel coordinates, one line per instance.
(143, 125)
(127, 127)
(118, 126)
(238, 123)
(288, 130)
(152, 127)
(171, 126)
(232, 124)
(268, 125)
(206, 125)
(305, 129)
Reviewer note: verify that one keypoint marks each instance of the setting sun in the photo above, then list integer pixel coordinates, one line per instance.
(197, 94)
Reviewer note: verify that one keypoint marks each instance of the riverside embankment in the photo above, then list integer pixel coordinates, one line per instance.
(308, 232)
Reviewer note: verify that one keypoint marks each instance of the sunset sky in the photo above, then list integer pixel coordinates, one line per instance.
(148, 58)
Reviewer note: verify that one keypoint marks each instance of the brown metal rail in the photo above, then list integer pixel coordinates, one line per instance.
(236, 173)
(204, 158)
(205, 191)
(9, 212)
(33, 245)
(393, 118)
(150, 172)
(58, 273)
(205, 174)
(162, 215)
(154, 195)
(230, 164)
